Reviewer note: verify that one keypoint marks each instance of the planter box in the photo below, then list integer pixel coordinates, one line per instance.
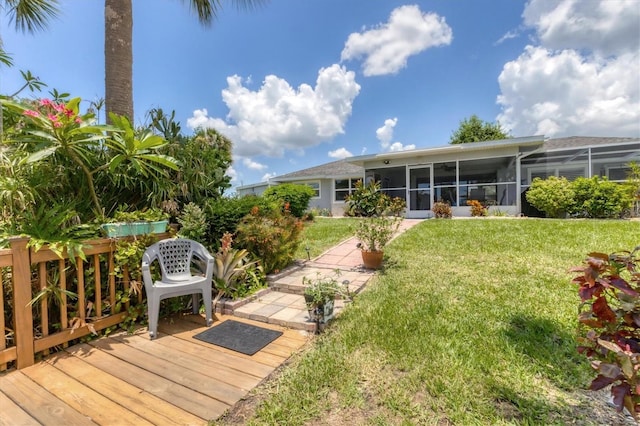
(124, 229)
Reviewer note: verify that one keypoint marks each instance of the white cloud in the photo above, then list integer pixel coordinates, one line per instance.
(508, 35)
(232, 173)
(603, 27)
(563, 94)
(387, 46)
(385, 133)
(268, 176)
(253, 165)
(583, 77)
(277, 117)
(340, 153)
(397, 146)
(385, 136)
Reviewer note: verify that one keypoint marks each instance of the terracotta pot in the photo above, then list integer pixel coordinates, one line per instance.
(372, 259)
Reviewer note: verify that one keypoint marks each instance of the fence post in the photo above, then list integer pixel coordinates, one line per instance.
(22, 312)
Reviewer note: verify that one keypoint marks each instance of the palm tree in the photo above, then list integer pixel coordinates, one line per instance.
(30, 15)
(118, 52)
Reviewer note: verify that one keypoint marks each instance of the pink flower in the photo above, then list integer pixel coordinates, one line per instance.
(59, 107)
(69, 112)
(31, 113)
(46, 102)
(52, 117)
(78, 120)
(57, 124)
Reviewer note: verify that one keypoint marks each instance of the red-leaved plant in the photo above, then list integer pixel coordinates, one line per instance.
(609, 287)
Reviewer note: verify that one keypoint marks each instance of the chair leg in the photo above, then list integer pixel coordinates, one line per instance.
(206, 297)
(153, 312)
(195, 302)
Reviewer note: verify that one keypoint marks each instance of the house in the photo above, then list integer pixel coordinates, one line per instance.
(496, 173)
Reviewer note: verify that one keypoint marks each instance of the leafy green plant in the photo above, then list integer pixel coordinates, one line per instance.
(224, 215)
(442, 210)
(272, 237)
(323, 288)
(230, 269)
(477, 209)
(598, 197)
(292, 197)
(554, 196)
(375, 232)
(609, 288)
(366, 200)
(193, 222)
(149, 215)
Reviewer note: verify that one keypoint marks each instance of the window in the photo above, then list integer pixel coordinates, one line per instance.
(315, 185)
(343, 188)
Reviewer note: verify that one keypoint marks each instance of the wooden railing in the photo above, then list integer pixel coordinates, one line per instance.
(38, 326)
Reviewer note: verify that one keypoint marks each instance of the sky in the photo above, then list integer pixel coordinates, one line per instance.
(298, 83)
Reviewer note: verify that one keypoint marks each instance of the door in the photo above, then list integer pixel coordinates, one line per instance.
(419, 191)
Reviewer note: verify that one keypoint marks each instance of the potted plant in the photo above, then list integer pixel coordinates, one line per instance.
(320, 294)
(374, 233)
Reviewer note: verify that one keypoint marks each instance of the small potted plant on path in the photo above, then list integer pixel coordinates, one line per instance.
(320, 294)
(374, 233)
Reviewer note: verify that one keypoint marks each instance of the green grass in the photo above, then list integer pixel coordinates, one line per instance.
(472, 322)
(324, 233)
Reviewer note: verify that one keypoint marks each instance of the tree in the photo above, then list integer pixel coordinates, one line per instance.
(118, 52)
(30, 15)
(474, 129)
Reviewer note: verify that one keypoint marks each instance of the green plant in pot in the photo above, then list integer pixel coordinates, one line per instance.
(374, 234)
(320, 294)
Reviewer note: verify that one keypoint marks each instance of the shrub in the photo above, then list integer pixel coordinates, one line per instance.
(396, 206)
(442, 210)
(193, 222)
(477, 209)
(366, 200)
(609, 288)
(295, 196)
(271, 236)
(600, 198)
(553, 195)
(224, 215)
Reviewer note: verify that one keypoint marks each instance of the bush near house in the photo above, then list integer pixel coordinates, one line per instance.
(553, 195)
(295, 196)
(594, 197)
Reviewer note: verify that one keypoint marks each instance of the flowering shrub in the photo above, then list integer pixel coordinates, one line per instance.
(272, 237)
(609, 288)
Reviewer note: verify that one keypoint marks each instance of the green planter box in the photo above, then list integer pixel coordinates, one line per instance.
(124, 229)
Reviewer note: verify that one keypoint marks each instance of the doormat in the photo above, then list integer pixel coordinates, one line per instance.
(238, 336)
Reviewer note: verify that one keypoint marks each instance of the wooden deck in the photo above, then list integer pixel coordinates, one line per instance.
(129, 379)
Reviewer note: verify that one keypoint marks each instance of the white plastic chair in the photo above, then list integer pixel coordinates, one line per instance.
(177, 258)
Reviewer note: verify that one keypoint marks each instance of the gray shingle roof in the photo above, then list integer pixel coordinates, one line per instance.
(583, 141)
(334, 169)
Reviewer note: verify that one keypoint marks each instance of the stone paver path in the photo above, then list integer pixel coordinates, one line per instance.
(283, 304)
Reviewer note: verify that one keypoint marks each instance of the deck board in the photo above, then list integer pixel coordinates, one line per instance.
(18, 415)
(43, 406)
(146, 405)
(130, 379)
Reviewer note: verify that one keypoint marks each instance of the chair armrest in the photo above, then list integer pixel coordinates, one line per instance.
(204, 254)
(146, 273)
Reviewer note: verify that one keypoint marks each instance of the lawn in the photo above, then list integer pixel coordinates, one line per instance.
(472, 322)
(324, 233)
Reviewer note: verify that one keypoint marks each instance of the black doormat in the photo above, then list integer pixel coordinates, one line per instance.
(238, 336)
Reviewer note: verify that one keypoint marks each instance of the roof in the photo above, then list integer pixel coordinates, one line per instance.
(335, 169)
(475, 146)
(584, 142)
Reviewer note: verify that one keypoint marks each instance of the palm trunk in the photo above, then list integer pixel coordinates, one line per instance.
(118, 56)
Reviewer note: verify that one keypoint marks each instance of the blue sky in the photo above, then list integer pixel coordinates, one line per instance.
(298, 83)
